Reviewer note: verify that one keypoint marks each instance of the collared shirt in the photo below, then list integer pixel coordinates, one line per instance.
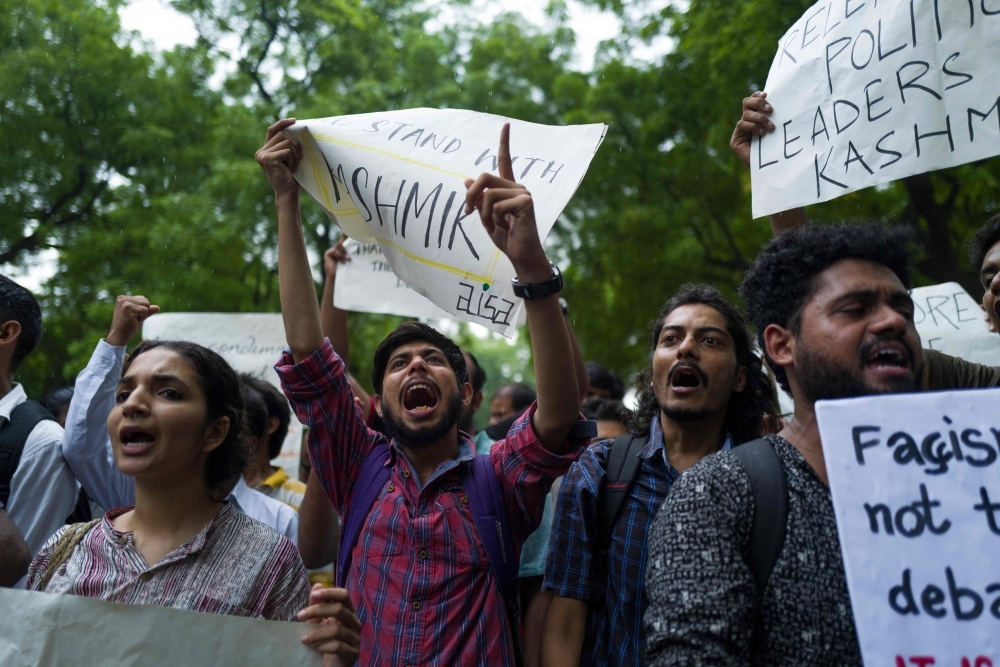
(235, 566)
(43, 491)
(615, 635)
(420, 578)
(280, 486)
(704, 607)
(87, 448)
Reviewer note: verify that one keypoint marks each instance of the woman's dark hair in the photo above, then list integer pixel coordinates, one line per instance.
(254, 408)
(606, 379)
(746, 409)
(985, 238)
(521, 395)
(408, 332)
(605, 409)
(223, 398)
(57, 400)
(277, 406)
(781, 280)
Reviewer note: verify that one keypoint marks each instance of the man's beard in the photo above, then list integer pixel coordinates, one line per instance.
(691, 414)
(821, 379)
(419, 438)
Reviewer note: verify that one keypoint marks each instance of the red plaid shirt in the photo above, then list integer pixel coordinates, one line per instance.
(420, 577)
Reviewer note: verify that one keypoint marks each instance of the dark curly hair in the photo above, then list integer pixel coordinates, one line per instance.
(606, 379)
(985, 238)
(21, 306)
(781, 280)
(746, 409)
(408, 332)
(223, 398)
(605, 409)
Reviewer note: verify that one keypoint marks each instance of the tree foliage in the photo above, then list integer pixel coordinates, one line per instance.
(137, 165)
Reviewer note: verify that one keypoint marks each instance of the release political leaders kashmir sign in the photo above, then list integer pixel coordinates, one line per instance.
(869, 91)
(917, 499)
(397, 178)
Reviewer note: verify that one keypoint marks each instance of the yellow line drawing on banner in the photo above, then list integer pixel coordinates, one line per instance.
(318, 172)
(462, 273)
(334, 140)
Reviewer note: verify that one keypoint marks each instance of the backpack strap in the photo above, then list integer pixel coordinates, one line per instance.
(13, 434)
(489, 512)
(622, 469)
(770, 511)
(63, 549)
(371, 480)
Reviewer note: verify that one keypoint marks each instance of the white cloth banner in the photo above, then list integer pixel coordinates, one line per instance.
(71, 631)
(866, 92)
(398, 178)
(367, 284)
(949, 320)
(917, 500)
(251, 343)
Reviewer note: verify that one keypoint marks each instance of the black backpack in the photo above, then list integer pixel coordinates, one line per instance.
(767, 481)
(13, 434)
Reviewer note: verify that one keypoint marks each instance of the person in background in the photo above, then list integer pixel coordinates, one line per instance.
(703, 392)
(509, 402)
(604, 383)
(612, 417)
(477, 378)
(14, 554)
(37, 488)
(86, 446)
(448, 609)
(833, 314)
(941, 371)
(57, 403)
(267, 437)
(178, 430)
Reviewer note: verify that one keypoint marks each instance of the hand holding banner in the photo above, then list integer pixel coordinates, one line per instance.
(869, 92)
(397, 178)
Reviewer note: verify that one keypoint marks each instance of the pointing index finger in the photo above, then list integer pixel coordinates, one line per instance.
(503, 159)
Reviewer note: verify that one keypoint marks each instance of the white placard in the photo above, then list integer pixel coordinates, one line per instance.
(866, 92)
(367, 284)
(950, 320)
(910, 476)
(398, 178)
(250, 342)
(72, 630)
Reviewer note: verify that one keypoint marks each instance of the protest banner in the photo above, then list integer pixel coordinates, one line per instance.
(917, 501)
(397, 178)
(866, 92)
(951, 321)
(72, 630)
(367, 284)
(250, 342)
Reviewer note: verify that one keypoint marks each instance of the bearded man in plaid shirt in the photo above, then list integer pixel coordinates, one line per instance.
(420, 577)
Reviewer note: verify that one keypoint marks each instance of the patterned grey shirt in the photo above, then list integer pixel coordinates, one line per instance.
(704, 608)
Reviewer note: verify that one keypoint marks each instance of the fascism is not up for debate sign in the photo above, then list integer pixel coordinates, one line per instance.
(869, 91)
(916, 492)
(397, 178)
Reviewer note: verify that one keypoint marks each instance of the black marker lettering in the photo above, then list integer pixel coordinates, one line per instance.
(947, 131)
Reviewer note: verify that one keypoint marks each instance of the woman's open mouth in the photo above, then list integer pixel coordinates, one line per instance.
(134, 440)
(420, 398)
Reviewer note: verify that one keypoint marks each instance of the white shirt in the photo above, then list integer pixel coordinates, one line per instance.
(43, 491)
(87, 448)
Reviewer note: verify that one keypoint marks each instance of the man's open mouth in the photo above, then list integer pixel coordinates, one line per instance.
(419, 397)
(685, 379)
(888, 356)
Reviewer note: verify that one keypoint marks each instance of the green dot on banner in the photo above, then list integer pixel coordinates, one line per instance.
(486, 287)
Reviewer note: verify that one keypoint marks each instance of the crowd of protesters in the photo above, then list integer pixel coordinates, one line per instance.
(569, 531)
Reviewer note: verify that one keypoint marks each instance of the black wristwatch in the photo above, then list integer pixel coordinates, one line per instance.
(529, 291)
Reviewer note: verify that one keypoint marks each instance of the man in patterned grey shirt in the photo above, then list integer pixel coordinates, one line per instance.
(833, 314)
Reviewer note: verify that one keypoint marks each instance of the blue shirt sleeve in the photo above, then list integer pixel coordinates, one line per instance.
(571, 544)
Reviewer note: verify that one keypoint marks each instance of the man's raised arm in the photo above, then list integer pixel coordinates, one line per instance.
(279, 158)
(508, 214)
(755, 122)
